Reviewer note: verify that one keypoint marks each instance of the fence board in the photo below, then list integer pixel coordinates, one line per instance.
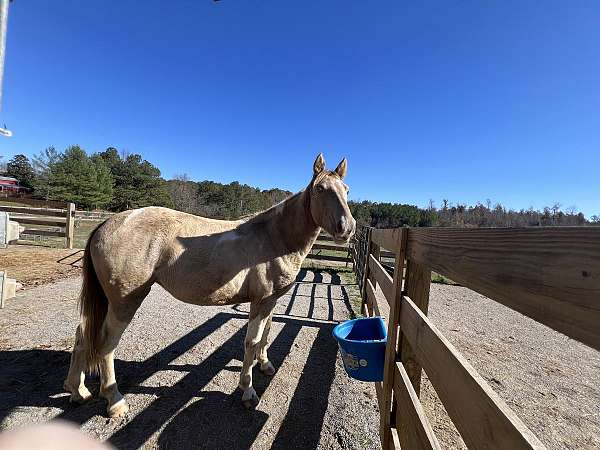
(372, 298)
(337, 248)
(388, 409)
(344, 259)
(43, 232)
(34, 211)
(416, 286)
(388, 238)
(39, 221)
(549, 274)
(414, 429)
(383, 278)
(482, 418)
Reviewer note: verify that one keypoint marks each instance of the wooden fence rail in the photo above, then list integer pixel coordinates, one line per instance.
(324, 249)
(549, 274)
(54, 222)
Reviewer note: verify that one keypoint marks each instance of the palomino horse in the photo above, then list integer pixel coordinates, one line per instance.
(200, 261)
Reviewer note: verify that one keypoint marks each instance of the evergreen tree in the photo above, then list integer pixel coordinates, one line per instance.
(79, 179)
(42, 166)
(137, 182)
(20, 168)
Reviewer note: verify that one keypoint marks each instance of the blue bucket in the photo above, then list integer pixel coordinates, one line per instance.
(362, 344)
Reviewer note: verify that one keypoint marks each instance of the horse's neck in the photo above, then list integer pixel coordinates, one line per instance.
(290, 225)
(295, 225)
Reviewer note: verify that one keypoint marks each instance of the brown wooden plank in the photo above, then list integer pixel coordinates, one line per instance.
(549, 274)
(328, 258)
(414, 429)
(32, 231)
(380, 307)
(324, 237)
(387, 238)
(34, 211)
(382, 277)
(337, 248)
(31, 220)
(70, 226)
(372, 276)
(371, 298)
(392, 339)
(416, 285)
(365, 271)
(480, 415)
(379, 392)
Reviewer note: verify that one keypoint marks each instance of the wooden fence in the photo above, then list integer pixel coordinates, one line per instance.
(45, 221)
(325, 249)
(551, 275)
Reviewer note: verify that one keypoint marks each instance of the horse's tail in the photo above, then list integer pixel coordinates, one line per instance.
(93, 306)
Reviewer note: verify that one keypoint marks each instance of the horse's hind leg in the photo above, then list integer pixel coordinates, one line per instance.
(260, 312)
(112, 330)
(75, 382)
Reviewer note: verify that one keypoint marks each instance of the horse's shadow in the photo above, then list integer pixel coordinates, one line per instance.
(33, 378)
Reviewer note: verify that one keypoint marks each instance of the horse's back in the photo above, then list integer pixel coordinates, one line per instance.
(130, 246)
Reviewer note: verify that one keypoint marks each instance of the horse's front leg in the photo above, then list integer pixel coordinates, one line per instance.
(260, 313)
(261, 352)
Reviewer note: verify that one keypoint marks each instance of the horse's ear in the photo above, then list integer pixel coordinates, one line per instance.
(319, 165)
(342, 168)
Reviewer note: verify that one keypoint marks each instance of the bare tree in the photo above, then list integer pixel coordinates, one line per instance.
(183, 193)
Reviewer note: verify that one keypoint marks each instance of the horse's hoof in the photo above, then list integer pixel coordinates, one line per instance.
(250, 399)
(118, 409)
(267, 369)
(80, 395)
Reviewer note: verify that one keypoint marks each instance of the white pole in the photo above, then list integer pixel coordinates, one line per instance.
(3, 25)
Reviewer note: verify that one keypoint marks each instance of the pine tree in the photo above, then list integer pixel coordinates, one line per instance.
(79, 179)
(137, 182)
(20, 168)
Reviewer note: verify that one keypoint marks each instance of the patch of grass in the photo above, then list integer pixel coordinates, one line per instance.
(5, 203)
(83, 229)
(441, 279)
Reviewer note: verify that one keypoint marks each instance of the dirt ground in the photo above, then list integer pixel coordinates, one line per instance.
(178, 366)
(36, 265)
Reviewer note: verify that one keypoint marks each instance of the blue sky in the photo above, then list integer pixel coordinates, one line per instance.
(451, 99)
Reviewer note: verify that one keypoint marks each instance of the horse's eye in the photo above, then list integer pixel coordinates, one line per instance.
(320, 188)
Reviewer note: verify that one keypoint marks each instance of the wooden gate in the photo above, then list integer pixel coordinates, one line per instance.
(45, 221)
(551, 275)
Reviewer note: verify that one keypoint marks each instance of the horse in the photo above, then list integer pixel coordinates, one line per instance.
(200, 261)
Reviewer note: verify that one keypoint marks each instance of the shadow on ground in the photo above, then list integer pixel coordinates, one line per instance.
(33, 378)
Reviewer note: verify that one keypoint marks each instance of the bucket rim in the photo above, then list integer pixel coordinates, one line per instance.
(378, 319)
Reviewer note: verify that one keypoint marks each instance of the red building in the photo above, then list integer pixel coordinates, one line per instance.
(11, 185)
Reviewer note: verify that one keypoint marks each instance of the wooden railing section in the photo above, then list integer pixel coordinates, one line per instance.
(551, 275)
(45, 221)
(325, 249)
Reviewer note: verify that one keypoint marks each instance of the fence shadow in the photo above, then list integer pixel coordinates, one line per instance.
(33, 378)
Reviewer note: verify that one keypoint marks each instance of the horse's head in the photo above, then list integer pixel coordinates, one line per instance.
(329, 200)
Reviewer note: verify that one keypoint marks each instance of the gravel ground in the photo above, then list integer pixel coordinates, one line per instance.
(550, 381)
(178, 366)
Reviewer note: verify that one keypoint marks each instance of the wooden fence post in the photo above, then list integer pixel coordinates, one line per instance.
(70, 225)
(416, 286)
(391, 348)
(374, 250)
(365, 273)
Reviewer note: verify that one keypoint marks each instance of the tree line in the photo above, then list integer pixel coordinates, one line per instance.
(118, 181)
(103, 180)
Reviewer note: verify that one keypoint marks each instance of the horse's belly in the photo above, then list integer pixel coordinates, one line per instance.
(206, 290)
